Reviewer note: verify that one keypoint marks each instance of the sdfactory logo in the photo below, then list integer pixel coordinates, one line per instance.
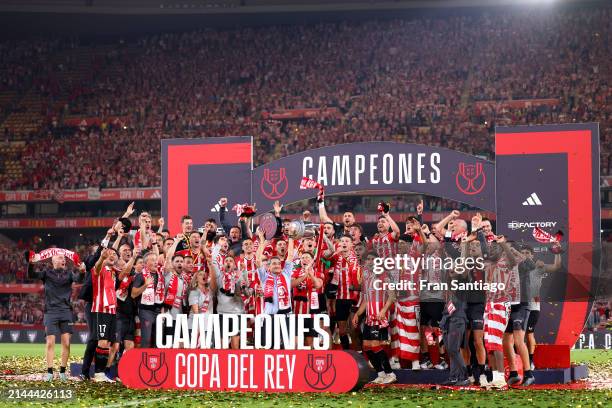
(517, 225)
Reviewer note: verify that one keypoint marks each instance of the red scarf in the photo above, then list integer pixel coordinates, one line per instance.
(152, 295)
(229, 283)
(172, 291)
(123, 287)
(282, 291)
(48, 253)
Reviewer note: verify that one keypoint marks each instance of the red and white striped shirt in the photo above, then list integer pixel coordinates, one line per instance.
(252, 304)
(385, 245)
(104, 294)
(500, 272)
(347, 272)
(303, 302)
(375, 298)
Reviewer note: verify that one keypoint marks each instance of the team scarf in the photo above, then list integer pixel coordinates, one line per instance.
(546, 237)
(153, 294)
(229, 283)
(171, 299)
(457, 237)
(206, 303)
(308, 183)
(282, 290)
(48, 253)
(122, 291)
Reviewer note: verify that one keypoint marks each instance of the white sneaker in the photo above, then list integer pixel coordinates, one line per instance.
(442, 365)
(389, 378)
(416, 365)
(483, 380)
(499, 380)
(101, 377)
(471, 379)
(395, 364)
(380, 379)
(426, 365)
(532, 367)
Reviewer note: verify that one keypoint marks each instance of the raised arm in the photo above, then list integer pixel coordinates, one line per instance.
(129, 211)
(394, 227)
(168, 262)
(290, 248)
(260, 248)
(128, 266)
(512, 259)
(323, 213)
(441, 225)
(98, 267)
(548, 268)
(222, 215)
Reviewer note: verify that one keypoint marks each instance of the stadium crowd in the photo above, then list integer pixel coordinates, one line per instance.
(444, 82)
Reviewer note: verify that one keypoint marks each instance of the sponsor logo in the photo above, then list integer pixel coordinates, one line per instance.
(84, 336)
(1, 335)
(516, 225)
(14, 336)
(533, 199)
(274, 184)
(471, 178)
(32, 336)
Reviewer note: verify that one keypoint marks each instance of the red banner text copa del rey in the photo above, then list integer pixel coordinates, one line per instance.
(242, 370)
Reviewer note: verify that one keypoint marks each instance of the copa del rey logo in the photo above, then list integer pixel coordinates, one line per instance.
(274, 184)
(242, 370)
(471, 178)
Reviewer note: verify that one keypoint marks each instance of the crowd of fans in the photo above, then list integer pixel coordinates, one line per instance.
(421, 81)
(29, 309)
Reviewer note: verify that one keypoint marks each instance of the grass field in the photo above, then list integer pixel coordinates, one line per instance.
(28, 358)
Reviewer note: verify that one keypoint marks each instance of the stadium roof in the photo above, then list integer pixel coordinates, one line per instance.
(20, 18)
(166, 7)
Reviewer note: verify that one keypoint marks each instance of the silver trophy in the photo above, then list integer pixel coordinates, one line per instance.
(298, 229)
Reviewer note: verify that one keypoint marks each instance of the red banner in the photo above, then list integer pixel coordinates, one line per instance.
(45, 223)
(90, 194)
(244, 370)
(287, 114)
(518, 103)
(14, 288)
(95, 121)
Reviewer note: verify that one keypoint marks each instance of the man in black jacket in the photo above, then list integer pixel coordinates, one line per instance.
(236, 234)
(58, 318)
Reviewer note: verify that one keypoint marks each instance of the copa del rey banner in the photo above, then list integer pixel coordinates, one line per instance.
(243, 370)
(378, 166)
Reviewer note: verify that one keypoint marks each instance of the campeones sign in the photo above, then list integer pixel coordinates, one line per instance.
(196, 356)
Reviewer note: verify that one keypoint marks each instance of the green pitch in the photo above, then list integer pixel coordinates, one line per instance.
(28, 359)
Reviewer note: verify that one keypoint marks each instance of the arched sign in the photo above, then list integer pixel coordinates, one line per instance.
(543, 175)
(378, 166)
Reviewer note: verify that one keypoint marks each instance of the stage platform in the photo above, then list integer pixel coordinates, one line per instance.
(433, 377)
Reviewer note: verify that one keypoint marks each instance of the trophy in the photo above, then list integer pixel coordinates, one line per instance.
(298, 229)
(270, 225)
